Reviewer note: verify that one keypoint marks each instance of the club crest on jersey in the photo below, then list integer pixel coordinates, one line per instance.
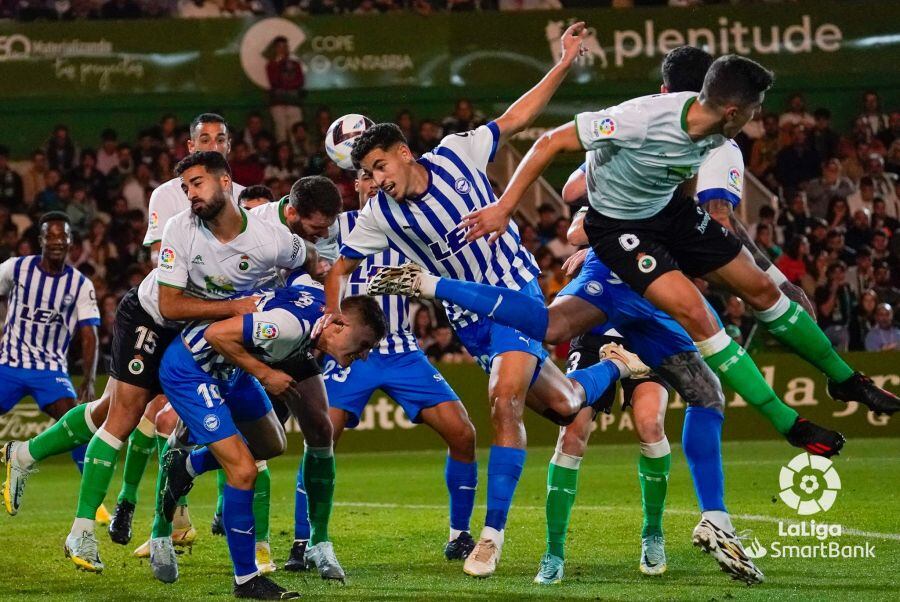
(167, 259)
(601, 128)
(462, 186)
(734, 179)
(629, 242)
(136, 366)
(244, 265)
(67, 300)
(266, 331)
(646, 263)
(593, 288)
(211, 422)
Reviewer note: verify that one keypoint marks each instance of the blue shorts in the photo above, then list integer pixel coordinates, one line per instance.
(408, 378)
(46, 386)
(209, 407)
(486, 339)
(649, 332)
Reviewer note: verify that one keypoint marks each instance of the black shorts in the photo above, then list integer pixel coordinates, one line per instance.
(299, 367)
(682, 237)
(584, 352)
(138, 344)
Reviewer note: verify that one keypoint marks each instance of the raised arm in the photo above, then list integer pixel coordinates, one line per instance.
(335, 282)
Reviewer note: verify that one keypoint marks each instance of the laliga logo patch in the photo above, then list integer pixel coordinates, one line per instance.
(167, 259)
(734, 178)
(266, 331)
(593, 288)
(646, 263)
(211, 422)
(809, 484)
(136, 366)
(603, 127)
(462, 186)
(154, 219)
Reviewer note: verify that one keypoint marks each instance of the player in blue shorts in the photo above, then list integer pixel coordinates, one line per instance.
(399, 368)
(214, 376)
(50, 303)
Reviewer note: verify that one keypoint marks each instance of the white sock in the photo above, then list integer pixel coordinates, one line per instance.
(146, 427)
(87, 415)
(780, 308)
(720, 519)
(454, 533)
(320, 452)
(428, 285)
(713, 344)
(245, 578)
(561, 458)
(494, 535)
(660, 449)
(624, 372)
(110, 439)
(23, 455)
(81, 525)
(189, 466)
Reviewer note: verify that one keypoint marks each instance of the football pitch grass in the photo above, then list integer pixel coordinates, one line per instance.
(389, 526)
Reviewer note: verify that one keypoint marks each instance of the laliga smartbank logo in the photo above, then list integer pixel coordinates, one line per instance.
(809, 485)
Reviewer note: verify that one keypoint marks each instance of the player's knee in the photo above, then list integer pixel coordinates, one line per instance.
(573, 439)
(242, 475)
(58, 408)
(461, 442)
(319, 432)
(166, 419)
(761, 293)
(650, 429)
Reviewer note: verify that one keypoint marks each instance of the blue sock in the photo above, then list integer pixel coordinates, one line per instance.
(701, 441)
(202, 460)
(504, 469)
(301, 510)
(462, 478)
(78, 456)
(595, 379)
(508, 307)
(237, 516)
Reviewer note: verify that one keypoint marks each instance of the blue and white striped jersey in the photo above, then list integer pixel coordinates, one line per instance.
(426, 229)
(399, 338)
(279, 329)
(45, 311)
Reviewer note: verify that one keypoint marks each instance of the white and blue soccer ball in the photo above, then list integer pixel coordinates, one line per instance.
(342, 135)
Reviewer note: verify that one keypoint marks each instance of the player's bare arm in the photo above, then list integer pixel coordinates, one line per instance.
(227, 338)
(575, 187)
(176, 305)
(494, 219)
(335, 282)
(89, 354)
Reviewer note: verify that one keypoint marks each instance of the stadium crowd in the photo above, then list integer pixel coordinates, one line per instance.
(835, 231)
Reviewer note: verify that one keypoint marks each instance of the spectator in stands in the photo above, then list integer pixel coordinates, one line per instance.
(107, 154)
(766, 217)
(245, 167)
(863, 319)
(884, 336)
(796, 220)
(50, 199)
(147, 148)
(302, 146)
(404, 121)
(792, 262)
(735, 315)
(286, 90)
(530, 239)
(890, 135)
(320, 125)
(823, 139)
(880, 246)
(834, 304)
(445, 347)
(838, 214)
(198, 9)
(254, 196)
(546, 224)
(8, 240)
(430, 135)
(11, 189)
(552, 278)
(117, 176)
(365, 7)
(859, 233)
(764, 151)
(816, 265)
(861, 277)
(283, 167)
(120, 9)
(854, 164)
(884, 184)
(33, 180)
(423, 327)
(80, 10)
(818, 235)
(88, 175)
(61, 150)
(764, 239)
(885, 289)
(463, 118)
(796, 115)
(797, 163)
(165, 168)
(559, 246)
(864, 196)
(265, 152)
(167, 132)
(880, 218)
(81, 209)
(837, 248)
(871, 122)
(138, 187)
(892, 160)
(103, 253)
(822, 189)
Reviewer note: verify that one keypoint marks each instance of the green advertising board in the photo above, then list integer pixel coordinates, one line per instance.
(92, 74)
(384, 426)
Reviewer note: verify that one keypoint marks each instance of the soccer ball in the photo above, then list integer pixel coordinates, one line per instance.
(342, 135)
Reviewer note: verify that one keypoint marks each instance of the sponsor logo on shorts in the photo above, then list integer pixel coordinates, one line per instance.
(629, 242)
(211, 422)
(646, 263)
(734, 179)
(167, 259)
(244, 265)
(136, 366)
(704, 221)
(603, 127)
(593, 288)
(437, 377)
(266, 331)
(462, 186)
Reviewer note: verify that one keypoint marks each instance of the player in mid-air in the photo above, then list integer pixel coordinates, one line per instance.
(49, 304)
(416, 212)
(398, 367)
(639, 152)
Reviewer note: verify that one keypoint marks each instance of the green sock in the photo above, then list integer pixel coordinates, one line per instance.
(66, 434)
(653, 473)
(140, 447)
(796, 329)
(738, 371)
(318, 477)
(99, 466)
(261, 498)
(562, 483)
(220, 483)
(161, 527)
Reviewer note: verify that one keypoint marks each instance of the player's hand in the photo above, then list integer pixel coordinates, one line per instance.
(245, 305)
(574, 262)
(493, 220)
(276, 382)
(571, 42)
(324, 321)
(86, 391)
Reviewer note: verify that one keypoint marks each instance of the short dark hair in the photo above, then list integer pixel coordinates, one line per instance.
(381, 136)
(369, 311)
(864, 251)
(313, 194)
(866, 181)
(54, 216)
(256, 192)
(213, 161)
(766, 211)
(684, 68)
(734, 79)
(207, 118)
